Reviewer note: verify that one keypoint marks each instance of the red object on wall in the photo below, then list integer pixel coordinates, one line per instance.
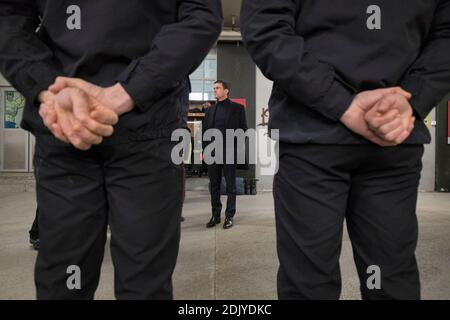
(240, 101)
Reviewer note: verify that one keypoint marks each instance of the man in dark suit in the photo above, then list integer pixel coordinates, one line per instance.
(224, 115)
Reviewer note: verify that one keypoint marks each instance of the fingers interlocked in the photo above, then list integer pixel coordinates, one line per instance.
(73, 113)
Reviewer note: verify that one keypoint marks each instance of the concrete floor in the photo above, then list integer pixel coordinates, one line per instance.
(240, 263)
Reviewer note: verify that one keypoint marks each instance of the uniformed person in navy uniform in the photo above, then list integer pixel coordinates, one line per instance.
(353, 82)
(105, 83)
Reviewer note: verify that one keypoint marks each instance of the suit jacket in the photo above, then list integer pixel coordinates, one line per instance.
(235, 119)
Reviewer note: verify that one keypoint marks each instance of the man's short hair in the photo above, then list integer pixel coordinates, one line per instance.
(224, 84)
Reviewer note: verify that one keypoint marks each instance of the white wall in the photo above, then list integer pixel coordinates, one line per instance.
(428, 177)
(263, 91)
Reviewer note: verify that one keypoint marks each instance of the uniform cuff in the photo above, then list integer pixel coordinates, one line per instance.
(335, 102)
(414, 85)
(38, 77)
(138, 85)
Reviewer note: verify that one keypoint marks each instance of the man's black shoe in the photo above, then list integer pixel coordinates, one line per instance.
(213, 222)
(228, 223)
(182, 219)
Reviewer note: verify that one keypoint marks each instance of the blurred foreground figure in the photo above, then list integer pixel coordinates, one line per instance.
(353, 83)
(104, 83)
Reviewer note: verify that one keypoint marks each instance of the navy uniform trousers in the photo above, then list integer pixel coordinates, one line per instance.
(374, 190)
(132, 187)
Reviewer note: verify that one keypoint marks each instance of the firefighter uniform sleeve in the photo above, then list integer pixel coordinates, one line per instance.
(177, 50)
(25, 61)
(268, 30)
(428, 79)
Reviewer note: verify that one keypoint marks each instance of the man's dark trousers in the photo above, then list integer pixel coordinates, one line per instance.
(374, 190)
(215, 178)
(136, 189)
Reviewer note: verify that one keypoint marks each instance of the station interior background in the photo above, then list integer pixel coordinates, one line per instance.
(208, 254)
